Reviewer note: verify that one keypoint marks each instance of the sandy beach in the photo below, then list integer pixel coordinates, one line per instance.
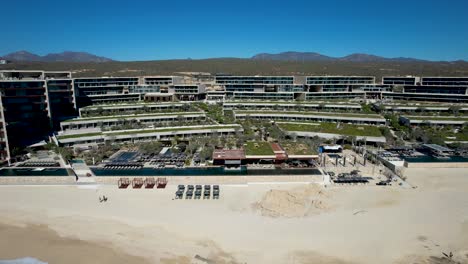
(250, 223)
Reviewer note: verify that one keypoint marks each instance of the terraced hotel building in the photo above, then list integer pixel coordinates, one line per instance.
(39, 105)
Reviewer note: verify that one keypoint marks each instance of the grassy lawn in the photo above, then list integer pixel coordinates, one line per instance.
(293, 148)
(95, 106)
(168, 130)
(338, 114)
(80, 135)
(258, 148)
(460, 136)
(429, 118)
(287, 102)
(213, 111)
(145, 131)
(344, 129)
(422, 104)
(126, 117)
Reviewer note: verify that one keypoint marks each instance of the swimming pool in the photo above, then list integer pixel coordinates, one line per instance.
(25, 172)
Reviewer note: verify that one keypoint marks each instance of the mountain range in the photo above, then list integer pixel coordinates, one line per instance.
(313, 56)
(66, 56)
(294, 56)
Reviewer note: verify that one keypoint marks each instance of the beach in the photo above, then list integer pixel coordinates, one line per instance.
(250, 223)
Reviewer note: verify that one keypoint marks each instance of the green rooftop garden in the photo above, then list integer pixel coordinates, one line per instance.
(420, 103)
(133, 132)
(333, 128)
(129, 104)
(288, 102)
(429, 118)
(80, 135)
(334, 114)
(415, 105)
(258, 148)
(126, 117)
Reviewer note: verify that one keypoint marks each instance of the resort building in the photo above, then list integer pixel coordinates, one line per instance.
(265, 105)
(425, 97)
(261, 152)
(238, 87)
(260, 96)
(312, 117)
(434, 120)
(338, 83)
(445, 81)
(422, 108)
(162, 80)
(130, 120)
(105, 89)
(60, 96)
(136, 135)
(395, 80)
(32, 103)
(229, 157)
(435, 89)
(159, 97)
(188, 92)
(323, 96)
(265, 80)
(215, 95)
(132, 108)
(144, 89)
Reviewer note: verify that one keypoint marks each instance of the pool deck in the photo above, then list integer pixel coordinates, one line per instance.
(231, 180)
(172, 180)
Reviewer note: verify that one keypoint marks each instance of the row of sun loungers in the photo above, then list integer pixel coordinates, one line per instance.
(123, 166)
(138, 183)
(39, 164)
(197, 192)
(350, 180)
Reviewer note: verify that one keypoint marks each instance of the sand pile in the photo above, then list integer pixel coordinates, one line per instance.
(298, 202)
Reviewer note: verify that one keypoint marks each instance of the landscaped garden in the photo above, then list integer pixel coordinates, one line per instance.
(258, 148)
(333, 128)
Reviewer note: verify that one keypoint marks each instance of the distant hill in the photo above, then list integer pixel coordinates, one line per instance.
(313, 56)
(293, 56)
(67, 56)
(22, 56)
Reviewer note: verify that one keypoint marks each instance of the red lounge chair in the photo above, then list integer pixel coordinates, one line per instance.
(137, 183)
(123, 183)
(149, 183)
(161, 183)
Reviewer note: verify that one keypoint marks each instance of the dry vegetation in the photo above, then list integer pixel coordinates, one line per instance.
(249, 67)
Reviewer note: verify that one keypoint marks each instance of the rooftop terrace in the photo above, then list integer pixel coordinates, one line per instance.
(137, 103)
(332, 128)
(438, 118)
(148, 131)
(333, 114)
(258, 148)
(126, 117)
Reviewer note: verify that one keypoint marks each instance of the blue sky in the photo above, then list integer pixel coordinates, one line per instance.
(151, 30)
